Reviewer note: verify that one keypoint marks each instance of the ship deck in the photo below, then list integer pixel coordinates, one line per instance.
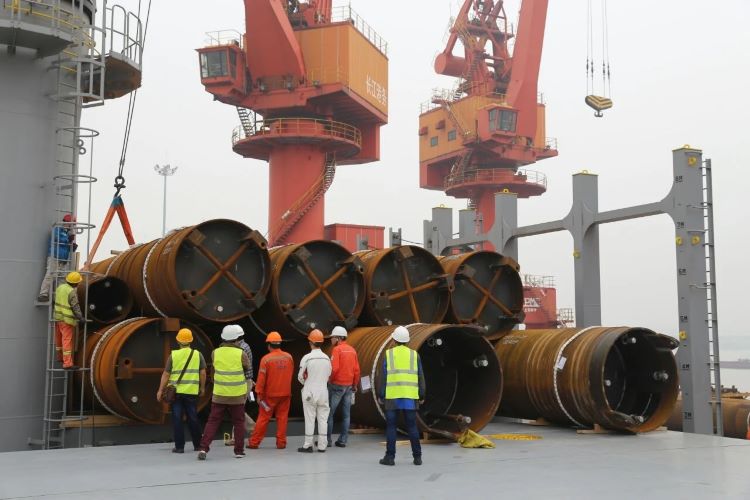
(562, 464)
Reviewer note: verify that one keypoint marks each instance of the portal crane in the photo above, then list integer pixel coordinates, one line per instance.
(310, 85)
(474, 137)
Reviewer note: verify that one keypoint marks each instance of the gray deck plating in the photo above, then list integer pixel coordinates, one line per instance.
(562, 464)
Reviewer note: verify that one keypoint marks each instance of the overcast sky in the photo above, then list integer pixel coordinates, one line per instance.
(680, 76)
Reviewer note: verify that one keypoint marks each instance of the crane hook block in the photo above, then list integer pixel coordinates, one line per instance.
(598, 104)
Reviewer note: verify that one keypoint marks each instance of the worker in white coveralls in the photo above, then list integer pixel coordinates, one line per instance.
(314, 371)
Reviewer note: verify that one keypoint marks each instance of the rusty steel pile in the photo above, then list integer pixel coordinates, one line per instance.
(618, 378)
(736, 412)
(220, 271)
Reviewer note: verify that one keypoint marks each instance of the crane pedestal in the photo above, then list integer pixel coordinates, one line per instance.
(302, 153)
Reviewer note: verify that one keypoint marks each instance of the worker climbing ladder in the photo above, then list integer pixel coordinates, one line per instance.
(80, 72)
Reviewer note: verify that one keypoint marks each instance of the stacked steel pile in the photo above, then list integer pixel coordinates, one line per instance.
(215, 272)
(220, 272)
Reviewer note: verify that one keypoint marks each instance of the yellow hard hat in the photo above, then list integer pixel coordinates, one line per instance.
(74, 278)
(184, 336)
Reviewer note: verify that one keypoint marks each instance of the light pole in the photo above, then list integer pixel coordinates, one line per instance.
(165, 171)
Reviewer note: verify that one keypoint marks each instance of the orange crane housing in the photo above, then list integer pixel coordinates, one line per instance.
(310, 83)
(474, 137)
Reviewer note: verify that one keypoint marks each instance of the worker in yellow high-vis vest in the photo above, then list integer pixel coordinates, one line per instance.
(230, 390)
(67, 315)
(403, 392)
(190, 387)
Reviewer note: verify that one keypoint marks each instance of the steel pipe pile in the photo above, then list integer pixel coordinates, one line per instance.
(126, 361)
(487, 292)
(618, 378)
(736, 419)
(107, 299)
(318, 284)
(218, 270)
(404, 285)
(463, 376)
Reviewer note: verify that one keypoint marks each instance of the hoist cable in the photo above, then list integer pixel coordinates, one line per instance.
(606, 48)
(131, 107)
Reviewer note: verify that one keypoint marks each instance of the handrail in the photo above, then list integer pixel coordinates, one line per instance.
(225, 37)
(299, 126)
(539, 281)
(444, 95)
(345, 13)
(496, 175)
(127, 41)
(59, 17)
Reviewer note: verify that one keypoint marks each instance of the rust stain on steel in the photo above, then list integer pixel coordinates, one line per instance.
(622, 378)
(126, 362)
(218, 270)
(317, 284)
(488, 291)
(462, 373)
(107, 299)
(404, 285)
(736, 413)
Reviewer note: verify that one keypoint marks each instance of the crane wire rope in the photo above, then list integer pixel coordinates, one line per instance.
(605, 51)
(120, 180)
(606, 90)
(589, 51)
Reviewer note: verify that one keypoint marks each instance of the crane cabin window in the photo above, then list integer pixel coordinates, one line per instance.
(433, 141)
(214, 64)
(452, 135)
(502, 120)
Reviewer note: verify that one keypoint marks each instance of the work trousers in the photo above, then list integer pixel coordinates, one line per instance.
(277, 407)
(53, 267)
(237, 414)
(64, 340)
(185, 404)
(410, 420)
(340, 394)
(316, 409)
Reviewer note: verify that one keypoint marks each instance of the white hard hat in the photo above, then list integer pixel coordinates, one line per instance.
(339, 331)
(400, 335)
(232, 332)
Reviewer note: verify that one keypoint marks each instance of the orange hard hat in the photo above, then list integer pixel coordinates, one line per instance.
(316, 336)
(273, 338)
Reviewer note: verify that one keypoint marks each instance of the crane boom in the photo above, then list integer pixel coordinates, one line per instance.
(276, 51)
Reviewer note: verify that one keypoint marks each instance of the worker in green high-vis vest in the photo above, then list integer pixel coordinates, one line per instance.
(67, 316)
(230, 390)
(403, 392)
(190, 387)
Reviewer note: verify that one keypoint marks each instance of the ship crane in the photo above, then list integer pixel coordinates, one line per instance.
(475, 138)
(311, 86)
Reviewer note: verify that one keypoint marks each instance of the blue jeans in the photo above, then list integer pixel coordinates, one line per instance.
(410, 419)
(188, 405)
(339, 394)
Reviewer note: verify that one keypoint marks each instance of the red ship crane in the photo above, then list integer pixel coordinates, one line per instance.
(310, 83)
(474, 137)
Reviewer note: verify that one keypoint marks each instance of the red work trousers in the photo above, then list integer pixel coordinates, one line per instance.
(279, 408)
(237, 414)
(64, 334)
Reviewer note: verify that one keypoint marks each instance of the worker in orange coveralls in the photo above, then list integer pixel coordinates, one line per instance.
(274, 392)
